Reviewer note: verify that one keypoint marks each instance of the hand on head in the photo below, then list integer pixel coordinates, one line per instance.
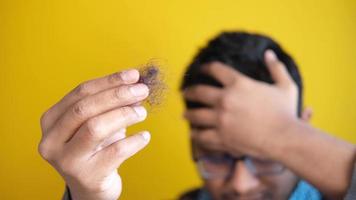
(245, 112)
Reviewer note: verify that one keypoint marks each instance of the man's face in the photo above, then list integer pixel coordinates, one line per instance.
(242, 183)
(247, 177)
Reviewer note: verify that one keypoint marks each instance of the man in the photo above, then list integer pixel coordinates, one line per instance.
(247, 140)
(236, 175)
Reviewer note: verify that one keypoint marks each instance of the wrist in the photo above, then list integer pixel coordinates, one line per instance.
(279, 142)
(78, 193)
(93, 192)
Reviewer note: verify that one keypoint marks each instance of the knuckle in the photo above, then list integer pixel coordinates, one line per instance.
(119, 151)
(79, 109)
(45, 150)
(94, 128)
(127, 112)
(120, 93)
(82, 89)
(114, 78)
(116, 150)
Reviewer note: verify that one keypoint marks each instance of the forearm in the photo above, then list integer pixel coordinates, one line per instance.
(324, 161)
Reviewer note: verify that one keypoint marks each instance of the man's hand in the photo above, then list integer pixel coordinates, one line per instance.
(83, 135)
(245, 112)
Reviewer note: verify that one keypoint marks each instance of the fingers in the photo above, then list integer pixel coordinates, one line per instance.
(207, 138)
(118, 135)
(89, 88)
(204, 94)
(222, 73)
(202, 117)
(114, 155)
(93, 133)
(96, 104)
(277, 69)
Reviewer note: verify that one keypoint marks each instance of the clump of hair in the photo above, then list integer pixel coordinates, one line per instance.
(152, 76)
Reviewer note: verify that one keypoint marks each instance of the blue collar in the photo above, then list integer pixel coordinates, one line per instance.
(305, 191)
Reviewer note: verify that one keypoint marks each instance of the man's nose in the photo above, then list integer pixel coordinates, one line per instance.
(242, 180)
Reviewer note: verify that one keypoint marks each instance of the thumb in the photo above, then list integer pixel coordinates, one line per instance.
(115, 154)
(277, 69)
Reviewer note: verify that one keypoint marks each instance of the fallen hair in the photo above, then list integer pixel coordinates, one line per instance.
(152, 76)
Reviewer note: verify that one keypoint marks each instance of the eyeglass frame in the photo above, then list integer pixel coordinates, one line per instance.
(248, 161)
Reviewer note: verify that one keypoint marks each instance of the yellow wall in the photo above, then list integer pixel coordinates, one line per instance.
(48, 47)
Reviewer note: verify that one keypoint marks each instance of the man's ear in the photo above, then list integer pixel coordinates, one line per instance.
(306, 114)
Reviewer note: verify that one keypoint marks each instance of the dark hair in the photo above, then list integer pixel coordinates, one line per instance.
(243, 52)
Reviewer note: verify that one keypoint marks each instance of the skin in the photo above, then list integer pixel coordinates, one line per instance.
(83, 135)
(273, 106)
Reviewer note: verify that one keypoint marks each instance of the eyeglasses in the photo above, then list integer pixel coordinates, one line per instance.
(222, 166)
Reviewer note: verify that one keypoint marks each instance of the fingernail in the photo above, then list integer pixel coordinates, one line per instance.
(146, 135)
(129, 75)
(270, 55)
(122, 130)
(141, 111)
(138, 90)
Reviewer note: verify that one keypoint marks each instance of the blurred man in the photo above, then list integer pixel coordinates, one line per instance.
(235, 175)
(250, 138)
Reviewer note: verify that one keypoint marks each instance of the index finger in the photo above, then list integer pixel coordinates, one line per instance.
(277, 69)
(89, 88)
(222, 73)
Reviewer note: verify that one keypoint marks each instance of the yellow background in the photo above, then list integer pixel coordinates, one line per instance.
(48, 47)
